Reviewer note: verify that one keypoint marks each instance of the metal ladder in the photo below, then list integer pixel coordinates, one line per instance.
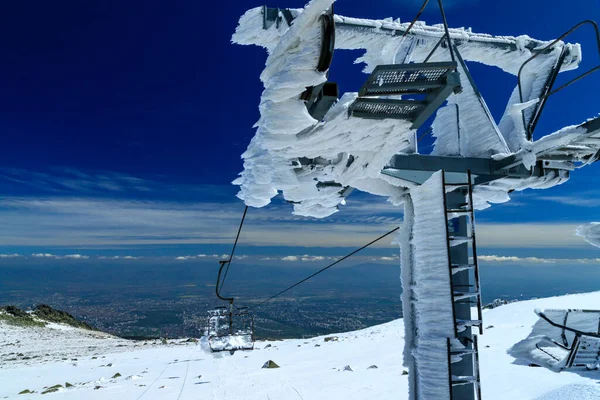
(463, 268)
(434, 81)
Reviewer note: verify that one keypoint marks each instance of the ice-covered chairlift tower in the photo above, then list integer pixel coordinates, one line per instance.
(315, 148)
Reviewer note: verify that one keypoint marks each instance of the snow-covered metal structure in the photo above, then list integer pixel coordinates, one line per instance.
(562, 339)
(229, 328)
(314, 148)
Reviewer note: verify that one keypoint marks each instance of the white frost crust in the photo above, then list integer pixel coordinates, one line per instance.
(427, 299)
(286, 132)
(590, 233)
(381, 47)
(268, 161)
(466, 118)
(344, 150)
(533, 80)
(497, 191)
(446, 130)
(543, 335)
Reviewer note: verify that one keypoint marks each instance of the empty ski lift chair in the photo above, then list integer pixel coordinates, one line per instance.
(228, 329)
(563, 339)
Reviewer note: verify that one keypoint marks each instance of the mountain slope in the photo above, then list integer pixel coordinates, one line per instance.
(309, 368)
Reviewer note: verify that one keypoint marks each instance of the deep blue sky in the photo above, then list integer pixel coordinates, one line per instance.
(123, 123)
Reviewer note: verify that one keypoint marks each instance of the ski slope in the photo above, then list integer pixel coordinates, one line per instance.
(309, 368)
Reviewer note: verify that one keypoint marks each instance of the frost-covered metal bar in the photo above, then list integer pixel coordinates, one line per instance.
(374, 35)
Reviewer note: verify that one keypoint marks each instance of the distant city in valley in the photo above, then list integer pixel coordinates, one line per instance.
(138, 300)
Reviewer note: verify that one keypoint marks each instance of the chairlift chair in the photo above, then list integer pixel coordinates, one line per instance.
(229, 329)
(563, 339)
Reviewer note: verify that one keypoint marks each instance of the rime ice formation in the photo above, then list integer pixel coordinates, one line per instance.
(426, 297)
(590, 232)
(347, 151)
(313, 162)
(310, 162)
(551, 346)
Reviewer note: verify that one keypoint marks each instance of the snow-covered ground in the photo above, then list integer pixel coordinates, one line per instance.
(309, 368)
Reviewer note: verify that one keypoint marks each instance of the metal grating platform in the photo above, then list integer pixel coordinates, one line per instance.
(407, 78)
(385, 108)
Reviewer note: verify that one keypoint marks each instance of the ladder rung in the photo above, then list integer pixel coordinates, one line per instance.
(462, 352)
(463, 380)
(460, 210)
(472, 303)
(462, 267)
(461, 238)
(465, 295)
(468, 322)
(458, 184)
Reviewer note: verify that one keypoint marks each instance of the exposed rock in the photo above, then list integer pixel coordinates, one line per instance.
(373, 367)
(347, 368)
(17, 317)
(16, 311)
(115, 376)
(68, 385)
(498, 303)
(52, 389)
(270, 364)
(331, 339)
(50, 314)
(26, 391)
(404, 372)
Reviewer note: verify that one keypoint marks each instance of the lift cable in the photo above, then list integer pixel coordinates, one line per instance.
(228, 262)
(445, 23)
(323, 269)
(414, 21)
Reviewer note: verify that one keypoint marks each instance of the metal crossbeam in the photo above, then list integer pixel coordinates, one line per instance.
(417, 168)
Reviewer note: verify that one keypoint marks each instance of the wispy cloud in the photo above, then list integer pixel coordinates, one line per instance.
(304, 258)
(61, 257)
(69, 221)
(10, 255)
(205, 256)
(70, 181)
(528, 235)
(578, 201)
(79, 213)
(536, 260)
(120, 258)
